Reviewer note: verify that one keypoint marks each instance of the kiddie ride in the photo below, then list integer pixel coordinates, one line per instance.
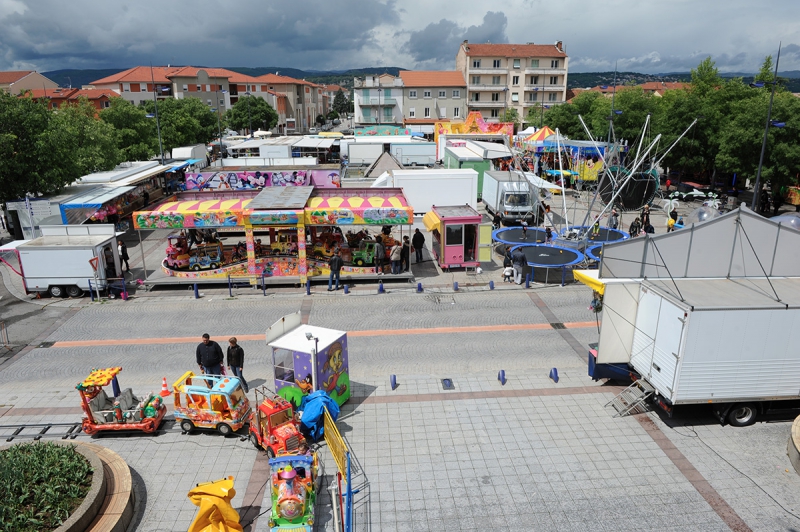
(274, 427)
(124, 412)
(295, 481)
(210, 402)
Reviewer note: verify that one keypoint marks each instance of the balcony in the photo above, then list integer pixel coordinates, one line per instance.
(376, 120)
(487, 70)
(544, 88)
(378, 101)
(489, 104)
(493, 88)
(539, 71)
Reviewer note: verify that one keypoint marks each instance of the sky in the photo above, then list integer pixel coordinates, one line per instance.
(648, 36)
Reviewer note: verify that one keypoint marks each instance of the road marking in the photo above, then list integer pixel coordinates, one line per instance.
(352, 334)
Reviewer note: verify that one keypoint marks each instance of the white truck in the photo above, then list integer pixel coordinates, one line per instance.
(185, 153)
(414, 153)
(427, 187)
(509, 195)
(58, 262)
(361, 153)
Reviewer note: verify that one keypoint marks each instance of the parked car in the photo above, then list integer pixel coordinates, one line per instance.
(336, 122)
(313, 130)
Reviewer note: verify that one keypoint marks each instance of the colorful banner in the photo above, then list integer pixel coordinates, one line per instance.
(589, 168)
(193, 213)
(371, 131)
(473, 124)
(357, 210)
(275, 217)
(290, 177)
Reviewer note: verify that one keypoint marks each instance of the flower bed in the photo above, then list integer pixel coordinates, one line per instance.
(43, 483)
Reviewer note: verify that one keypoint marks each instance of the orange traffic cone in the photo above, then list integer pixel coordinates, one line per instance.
(164, 390)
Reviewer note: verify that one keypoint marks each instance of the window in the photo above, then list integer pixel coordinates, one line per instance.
(185, 87)
(387, 113)
(534, 80)
(515, 80)
(495, 96)
(427, 112)
(456, 94)
(126, 87)
(387, 93)
(496, 63)
(495, 80)
(514, 96)
(106, 104)
(553, 80)
(554, 63)
(534, 63)
(208, 88)
(516, 63)
(495, 113)
(531, 96)
(456, 112)
(143, 87)
(476, 63)
(442, 94)
(442, 112)
(454, 235)
(553, 97)
(209, 103)
(412, 94)
(476, 97)
(476, 80)
(412, 112)
(222, 102)
(197, 88)
(365, 93)
(426, 94)
(271, 88)
(284, 365)
(366, 112)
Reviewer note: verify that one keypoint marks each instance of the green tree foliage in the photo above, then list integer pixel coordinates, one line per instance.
(333, 115)
(183, 122)
(259, 111)
(766, 74)
(340, 103)
(136, 134)
(705, 78)
(320, 119)
(511, 116)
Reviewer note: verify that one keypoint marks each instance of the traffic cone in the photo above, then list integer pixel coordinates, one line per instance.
(164, 390)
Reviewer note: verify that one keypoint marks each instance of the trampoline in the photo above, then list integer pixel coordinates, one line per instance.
(512, 236)
(635, 194)
(595, 252)
(542, 258)
(606, 234)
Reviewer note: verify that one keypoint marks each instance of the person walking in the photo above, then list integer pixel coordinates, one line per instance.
(518, 261)
(123, 255)
(209, 357)
(613, 221)
(405, 254)
(496, 221)
(635, 227)
(507, 262)
(645, 216)
(335, 264)
(236, 361)
(418, 241)
(395, 255)
(524, 225)
(380, 255)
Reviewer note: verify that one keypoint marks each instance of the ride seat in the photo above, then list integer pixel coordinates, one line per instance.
(127, 401)
(102, 408)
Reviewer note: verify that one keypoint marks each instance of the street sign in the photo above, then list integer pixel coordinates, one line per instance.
(93, 261)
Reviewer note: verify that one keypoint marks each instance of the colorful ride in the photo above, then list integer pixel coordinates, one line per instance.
(177, 252)
(365, 254)
(206, 257)
(307, 358)
(295, 482)
(274, 427)
(210, 402)
(215, 512)
(124, 411)
(285, 243)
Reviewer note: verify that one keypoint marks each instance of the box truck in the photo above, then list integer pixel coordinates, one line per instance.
(58, 262)
(427, 187)
(463, 157)
(360, 153)
(509, 195)
(414, 153)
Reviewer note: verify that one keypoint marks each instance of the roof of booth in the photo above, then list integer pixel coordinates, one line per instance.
(213, 205)
(281, 198)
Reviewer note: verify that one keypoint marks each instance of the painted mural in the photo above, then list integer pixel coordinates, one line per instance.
(380, 130)
(356, 210)
(170, 220)
(275, 218)
(474, 123)
(323, 178)
(589, 167)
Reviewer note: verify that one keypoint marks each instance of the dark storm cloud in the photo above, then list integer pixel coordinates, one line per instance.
(53, 34)
(439, 41)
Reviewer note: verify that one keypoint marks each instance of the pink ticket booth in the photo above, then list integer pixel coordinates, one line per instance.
(455, 231)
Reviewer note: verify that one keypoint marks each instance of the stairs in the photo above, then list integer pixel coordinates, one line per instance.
(632, 400)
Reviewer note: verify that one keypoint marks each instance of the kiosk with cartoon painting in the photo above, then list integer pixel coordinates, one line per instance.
(306, 358)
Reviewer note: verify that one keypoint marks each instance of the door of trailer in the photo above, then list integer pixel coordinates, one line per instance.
(657, 340)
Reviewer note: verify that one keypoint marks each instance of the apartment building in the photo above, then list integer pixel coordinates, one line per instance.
(433, 96)
(513, 76)
(19, 81)
(57, 98)
(138, 84)
(378, 100)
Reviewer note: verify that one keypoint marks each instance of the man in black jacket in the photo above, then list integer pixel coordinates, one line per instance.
(209, 356)
(418, 241)
(335, 264)
(236, 361)
(519, 261)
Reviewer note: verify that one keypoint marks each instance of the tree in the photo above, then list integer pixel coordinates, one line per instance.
(340, 103)
(183, 122)
(766, 73)
(137, 138)
(705, 78)
(333, 115)
(511, 116)
(251, 110)
(320, 119)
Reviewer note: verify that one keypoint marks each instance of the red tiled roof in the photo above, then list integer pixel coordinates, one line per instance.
(13, 76)
(664, 85)
(274, 78)
(140, 74)
(432, 78)
(73, 94)
(514, 50)
(191, 72)
(335, 88)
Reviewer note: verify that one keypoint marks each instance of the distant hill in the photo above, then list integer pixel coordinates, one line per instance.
(77, 78)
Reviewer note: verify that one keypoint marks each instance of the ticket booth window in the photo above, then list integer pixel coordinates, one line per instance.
(284, 365)
(454, 235)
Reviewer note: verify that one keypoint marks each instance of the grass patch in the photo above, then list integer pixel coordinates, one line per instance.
(43, 483)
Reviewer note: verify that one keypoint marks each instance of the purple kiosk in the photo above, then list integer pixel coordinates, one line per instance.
(306, 358)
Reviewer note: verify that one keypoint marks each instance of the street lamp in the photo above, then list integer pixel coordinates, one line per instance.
(505, 103)
(219, 127)
(380, 94)
(249, 118)
(158, 123)
(310, 337)
(756, 191)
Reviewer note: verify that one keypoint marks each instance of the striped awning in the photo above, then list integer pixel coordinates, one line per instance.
(193, 214)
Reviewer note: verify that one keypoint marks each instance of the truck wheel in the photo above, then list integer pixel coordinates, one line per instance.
(56, 291)
(187, 426)
(196, 267)
(74, 291)
(224, 429)
(359, 262)
(254, 440)
(743, 415)
(270, 452)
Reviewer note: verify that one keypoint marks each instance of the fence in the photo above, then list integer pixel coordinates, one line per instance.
(112, 285)
(341, 455)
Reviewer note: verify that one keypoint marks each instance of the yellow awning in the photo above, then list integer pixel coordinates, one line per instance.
(591, 279)
(432, 222)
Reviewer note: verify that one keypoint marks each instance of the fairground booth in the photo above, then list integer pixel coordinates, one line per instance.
(288, 232)
(456, 232)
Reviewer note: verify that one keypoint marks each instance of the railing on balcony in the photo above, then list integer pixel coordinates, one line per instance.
(472, 103)
(378, 101)
(545, 71)
(545, 88)
(376, 120)
(481, 87)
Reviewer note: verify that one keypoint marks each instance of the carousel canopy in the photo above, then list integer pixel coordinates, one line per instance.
(540, 135)
(371, 206)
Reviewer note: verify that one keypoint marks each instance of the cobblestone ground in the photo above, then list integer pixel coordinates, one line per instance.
(530, 455)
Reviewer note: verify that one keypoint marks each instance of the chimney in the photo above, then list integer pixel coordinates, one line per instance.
(559, 46)
(465, 45)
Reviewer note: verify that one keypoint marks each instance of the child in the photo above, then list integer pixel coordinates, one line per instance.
(548, 235)
(524, 230)
(508, 274)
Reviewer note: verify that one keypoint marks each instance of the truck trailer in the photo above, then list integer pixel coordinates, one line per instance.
(509, 195)
(427, 187)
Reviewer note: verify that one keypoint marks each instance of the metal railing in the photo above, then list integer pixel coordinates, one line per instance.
(111, 286)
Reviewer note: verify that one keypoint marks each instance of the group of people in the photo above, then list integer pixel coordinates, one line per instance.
(513, 265)
(210, 359)
(642, 225)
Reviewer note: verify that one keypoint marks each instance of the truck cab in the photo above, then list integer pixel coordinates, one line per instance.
(274, 427)
(365, 254)
(206, 257)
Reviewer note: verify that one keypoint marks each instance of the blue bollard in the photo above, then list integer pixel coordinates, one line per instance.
(196, 292)
(308, 287)
(419, 288)
(491, 285)
(347, 289)
(393, 381)
(554, 374)
(455, 286)
(563, 275)
(380, 287)
(502, 377)
(527, 280)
